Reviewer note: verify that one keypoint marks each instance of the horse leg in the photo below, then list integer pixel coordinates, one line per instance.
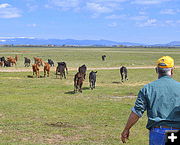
(64, 74)
(38, 73)
(90, 85)
(61, 75)
(94, 84)
(80, 87)
(44, 73)
(121, 77)
(75, 87)
(126, 77)
(56, 73)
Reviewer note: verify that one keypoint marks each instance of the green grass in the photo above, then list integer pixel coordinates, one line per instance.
(40, 111)
(45, 111)
(92, 56)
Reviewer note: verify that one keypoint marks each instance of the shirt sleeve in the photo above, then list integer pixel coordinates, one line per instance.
(140, 104)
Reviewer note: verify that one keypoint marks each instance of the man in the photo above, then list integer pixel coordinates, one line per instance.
(161, 99)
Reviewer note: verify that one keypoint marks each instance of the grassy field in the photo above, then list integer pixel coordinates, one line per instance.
(39, 111)
(75, 57)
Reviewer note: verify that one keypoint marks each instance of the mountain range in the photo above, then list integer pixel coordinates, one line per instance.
(37, 41)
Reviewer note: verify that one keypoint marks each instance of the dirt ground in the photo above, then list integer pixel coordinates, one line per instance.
(11, 69)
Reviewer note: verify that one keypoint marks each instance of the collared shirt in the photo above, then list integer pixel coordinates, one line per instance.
(161, 99)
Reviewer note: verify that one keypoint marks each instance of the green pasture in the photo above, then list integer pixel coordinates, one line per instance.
(75, 57)
(43, 111)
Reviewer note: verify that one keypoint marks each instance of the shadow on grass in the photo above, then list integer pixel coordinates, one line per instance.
(29, 76)
(72, 92)
(60, 124)
(117, 82)
(85, 88)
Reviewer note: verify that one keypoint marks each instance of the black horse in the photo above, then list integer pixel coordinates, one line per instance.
(123, 73)
(27, 62)
(92, 79)
(103, 57)
(7, 63)
(2, 59)
(51, 62)
(61, 69)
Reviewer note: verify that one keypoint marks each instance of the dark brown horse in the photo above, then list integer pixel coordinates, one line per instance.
(78, 82)
(27, 62)
(82, 69)
(61, 70)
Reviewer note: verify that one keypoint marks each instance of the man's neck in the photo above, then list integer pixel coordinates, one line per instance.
(160, 75)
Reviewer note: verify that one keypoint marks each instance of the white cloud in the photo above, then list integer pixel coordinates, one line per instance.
(139, 18)
(98, 8)
(65, 4)
(169, 11)
(148, 23)
(178, 21)
(32, 7)
(115, 16)
(32, 25)
(3, 40)
(142, 13)
(111, 1)
(149, 2)
(5, 5)
(16, 37)
(170, 23)
(8, 11)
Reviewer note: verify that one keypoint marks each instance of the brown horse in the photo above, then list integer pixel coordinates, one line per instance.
(78, 82)
(16, 58)
(46, 69)
(1, 63)
(12, 60)
(38, 60)
(82, 69)
(35, 68)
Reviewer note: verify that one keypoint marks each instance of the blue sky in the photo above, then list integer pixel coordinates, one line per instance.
(141, 21)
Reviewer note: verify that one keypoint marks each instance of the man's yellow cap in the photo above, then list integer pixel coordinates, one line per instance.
(165, 62)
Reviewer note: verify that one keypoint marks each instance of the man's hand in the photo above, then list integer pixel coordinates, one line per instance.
(133, 118)
(124, 135)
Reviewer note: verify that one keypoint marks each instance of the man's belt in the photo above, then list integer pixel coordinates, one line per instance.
(166, 127)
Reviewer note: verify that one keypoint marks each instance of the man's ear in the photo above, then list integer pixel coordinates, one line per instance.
(172, 71)
(156, 70)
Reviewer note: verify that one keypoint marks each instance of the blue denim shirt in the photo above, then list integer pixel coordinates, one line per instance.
(161, 99)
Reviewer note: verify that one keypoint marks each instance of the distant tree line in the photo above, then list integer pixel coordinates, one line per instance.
(90, 46)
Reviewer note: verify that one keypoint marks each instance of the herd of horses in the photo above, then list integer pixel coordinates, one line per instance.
(61, 70)
(9, 61)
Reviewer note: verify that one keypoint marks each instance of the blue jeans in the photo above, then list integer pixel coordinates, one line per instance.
(157, 136)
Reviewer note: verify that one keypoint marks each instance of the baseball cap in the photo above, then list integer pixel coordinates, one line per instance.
(165, 62)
